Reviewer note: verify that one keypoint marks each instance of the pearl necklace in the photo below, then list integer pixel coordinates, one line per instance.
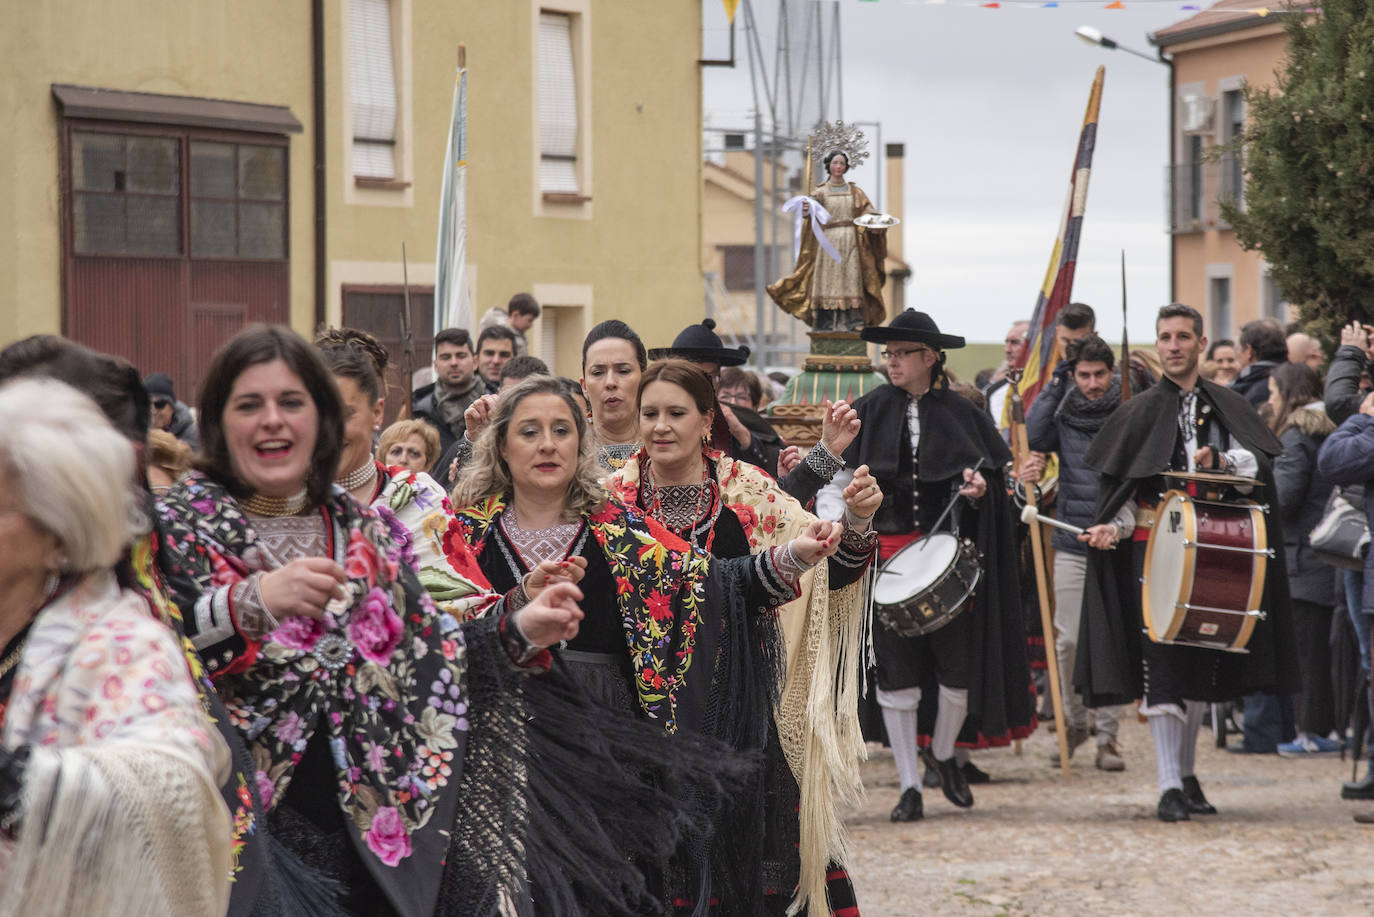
(259, 505)
(359, 477)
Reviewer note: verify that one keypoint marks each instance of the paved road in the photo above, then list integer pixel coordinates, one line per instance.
(1283, 843)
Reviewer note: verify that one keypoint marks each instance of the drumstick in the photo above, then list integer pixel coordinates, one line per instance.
(1029, 515)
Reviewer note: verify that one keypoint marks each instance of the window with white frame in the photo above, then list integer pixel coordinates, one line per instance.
(372, 84)
(558, 124)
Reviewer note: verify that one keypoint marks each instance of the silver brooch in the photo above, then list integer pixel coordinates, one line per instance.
(332, 651)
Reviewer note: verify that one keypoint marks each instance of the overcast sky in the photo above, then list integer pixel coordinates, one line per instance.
(989, 104)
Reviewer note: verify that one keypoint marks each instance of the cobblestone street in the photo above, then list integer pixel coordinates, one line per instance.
(1283, 843)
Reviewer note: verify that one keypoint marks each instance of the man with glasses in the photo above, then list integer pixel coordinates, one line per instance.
(927, 445)
(169, 414)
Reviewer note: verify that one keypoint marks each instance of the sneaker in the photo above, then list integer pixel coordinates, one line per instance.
(1309, 747)
(1108, 758)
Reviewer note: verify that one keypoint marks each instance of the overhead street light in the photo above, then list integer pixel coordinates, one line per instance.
(1095, 37)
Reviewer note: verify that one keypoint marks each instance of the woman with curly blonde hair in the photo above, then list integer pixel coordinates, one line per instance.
(671, 635)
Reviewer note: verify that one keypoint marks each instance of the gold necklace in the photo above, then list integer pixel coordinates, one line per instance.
(358, 477)
(259, 505)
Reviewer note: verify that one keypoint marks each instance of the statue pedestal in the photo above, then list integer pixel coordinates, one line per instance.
(837, 369)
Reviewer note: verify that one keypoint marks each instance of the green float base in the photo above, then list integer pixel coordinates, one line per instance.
(837, 369)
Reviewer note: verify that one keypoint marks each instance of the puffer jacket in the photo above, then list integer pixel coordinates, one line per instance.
(1047, 432)
(1343, 394)
(1347, 457)
(1302, 494)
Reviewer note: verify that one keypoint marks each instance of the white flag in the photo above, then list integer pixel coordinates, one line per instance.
(451, 306)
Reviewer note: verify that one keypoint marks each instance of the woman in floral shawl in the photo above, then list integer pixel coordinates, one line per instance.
(670, 636)
(108, 764)
(731, 509)
(366, 710)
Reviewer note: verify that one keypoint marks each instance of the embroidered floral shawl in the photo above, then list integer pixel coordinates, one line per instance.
(660, 590)
(817, 713)
(384, 677)
(422, 509)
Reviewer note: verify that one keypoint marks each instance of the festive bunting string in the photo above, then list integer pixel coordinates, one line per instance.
(1260, 11)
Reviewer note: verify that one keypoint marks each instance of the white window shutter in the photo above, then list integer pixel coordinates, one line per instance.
(557, 105)
(372, 73)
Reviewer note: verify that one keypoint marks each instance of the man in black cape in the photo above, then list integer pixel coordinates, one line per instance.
(1184, 423)
(927, 444)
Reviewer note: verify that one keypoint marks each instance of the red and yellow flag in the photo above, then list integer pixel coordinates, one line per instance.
(1042, 354)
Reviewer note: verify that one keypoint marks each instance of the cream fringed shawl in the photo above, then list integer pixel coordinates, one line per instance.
(817, 714)
(121, 811)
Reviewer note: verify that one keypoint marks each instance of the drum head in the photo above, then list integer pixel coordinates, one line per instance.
(1168, 562)
(915, 567)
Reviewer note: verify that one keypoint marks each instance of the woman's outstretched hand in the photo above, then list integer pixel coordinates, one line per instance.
(819, 541)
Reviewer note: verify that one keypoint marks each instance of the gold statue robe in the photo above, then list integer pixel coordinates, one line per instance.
(818, 284)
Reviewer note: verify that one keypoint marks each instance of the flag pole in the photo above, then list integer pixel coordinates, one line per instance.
(407, 339)
(1018, 426)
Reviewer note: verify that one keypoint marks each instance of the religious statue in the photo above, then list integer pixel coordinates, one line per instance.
(837, 284)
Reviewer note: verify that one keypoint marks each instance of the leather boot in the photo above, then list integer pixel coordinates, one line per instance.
(1173, 806)
(952, 781)
(910, 807)
(1197, 803)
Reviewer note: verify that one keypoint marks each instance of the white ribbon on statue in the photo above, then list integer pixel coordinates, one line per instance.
(819, 216)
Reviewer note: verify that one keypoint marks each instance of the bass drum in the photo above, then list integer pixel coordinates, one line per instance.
(926, 584)
(1204, 572)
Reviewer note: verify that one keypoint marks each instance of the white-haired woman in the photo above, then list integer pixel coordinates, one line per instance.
(108, 766)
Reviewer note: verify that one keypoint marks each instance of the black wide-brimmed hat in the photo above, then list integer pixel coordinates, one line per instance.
(912, 326)
(701, 344)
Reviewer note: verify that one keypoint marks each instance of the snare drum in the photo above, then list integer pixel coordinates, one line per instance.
(1204, 572)
(926, 584)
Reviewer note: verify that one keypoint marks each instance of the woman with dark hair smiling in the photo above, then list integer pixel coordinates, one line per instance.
(732, 509)
(364, 707)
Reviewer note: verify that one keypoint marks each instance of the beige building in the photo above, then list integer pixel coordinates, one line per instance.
(1215, 53)
(176, 170)
(727, 250)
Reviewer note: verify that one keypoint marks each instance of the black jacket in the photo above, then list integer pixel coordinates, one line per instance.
(422, 407)
(1253, 382)
(1343, 383)
(1302, 492)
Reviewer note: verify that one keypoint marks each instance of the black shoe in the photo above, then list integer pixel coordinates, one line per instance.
(931, 780)
(952, 782)
(974, 774)
(1359, 789)
(1173, 806)
(909, 807)
(1197, 803)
